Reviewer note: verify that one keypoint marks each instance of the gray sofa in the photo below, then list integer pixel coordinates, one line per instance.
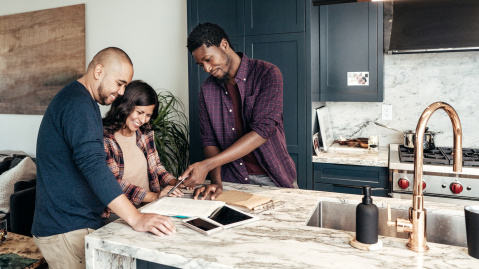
(22, 201)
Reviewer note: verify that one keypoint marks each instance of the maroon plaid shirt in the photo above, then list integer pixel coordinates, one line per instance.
(157, 174)
(261, 89)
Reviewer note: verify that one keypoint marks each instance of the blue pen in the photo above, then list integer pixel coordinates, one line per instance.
(180, 217)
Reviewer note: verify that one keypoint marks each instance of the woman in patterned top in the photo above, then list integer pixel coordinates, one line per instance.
(130, 146)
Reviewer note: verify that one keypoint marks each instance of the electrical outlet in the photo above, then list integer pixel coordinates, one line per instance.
(387, 112)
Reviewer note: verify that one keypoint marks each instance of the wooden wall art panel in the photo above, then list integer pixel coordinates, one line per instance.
(40, 53)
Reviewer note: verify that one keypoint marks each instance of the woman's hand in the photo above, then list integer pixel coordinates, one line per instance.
(176, 193)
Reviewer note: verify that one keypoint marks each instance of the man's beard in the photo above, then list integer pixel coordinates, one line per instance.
(225, 76)
(223, 79)
(103, 99)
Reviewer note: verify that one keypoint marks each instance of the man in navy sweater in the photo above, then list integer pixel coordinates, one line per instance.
(74, 183)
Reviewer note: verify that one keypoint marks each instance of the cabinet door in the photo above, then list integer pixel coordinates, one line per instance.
(287, 52)
(351, 41)
(196, 77)
(274, 16)
(227, 14)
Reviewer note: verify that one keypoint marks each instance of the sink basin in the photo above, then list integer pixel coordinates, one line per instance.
(443, 229)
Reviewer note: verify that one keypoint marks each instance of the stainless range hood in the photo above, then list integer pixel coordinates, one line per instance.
(434, 26)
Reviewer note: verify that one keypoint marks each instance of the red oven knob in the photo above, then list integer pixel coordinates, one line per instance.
(403, 183)
(456, 187)
(423, 185)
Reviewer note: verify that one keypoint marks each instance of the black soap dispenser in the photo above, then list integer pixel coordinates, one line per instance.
(367, 217)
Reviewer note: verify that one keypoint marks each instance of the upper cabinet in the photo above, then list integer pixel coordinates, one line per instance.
(250, 17)
(229, 14)
(274, 16)
(350, 43)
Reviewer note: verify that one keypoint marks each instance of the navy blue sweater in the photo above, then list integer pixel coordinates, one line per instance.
(74, 183)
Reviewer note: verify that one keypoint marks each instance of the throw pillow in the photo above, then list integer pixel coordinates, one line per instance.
(4, 165)
(15, 162)
(25, 170)
(6, 157)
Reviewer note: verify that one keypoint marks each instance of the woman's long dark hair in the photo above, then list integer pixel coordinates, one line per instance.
(137, 93)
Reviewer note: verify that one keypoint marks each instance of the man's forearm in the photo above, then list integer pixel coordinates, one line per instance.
(245, 145)
(215, 158)
(215, 174)
(124, 209)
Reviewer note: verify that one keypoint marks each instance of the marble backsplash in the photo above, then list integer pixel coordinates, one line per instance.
(411, 83)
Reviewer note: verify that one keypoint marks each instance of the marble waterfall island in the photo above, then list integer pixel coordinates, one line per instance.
(280, 239)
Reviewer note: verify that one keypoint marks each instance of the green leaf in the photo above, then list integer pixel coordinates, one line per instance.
(172, 133)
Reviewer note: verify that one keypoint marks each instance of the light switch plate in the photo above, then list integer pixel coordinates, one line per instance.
(387, 112)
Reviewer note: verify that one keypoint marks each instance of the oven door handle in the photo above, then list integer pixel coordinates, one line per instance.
(357, 187)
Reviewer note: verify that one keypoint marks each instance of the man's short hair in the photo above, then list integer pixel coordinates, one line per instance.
(109, 52)
(207, 33)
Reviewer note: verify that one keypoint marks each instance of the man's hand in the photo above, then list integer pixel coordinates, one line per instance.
(216, 158)
(197, 173)
(154, 223)
(212, 189)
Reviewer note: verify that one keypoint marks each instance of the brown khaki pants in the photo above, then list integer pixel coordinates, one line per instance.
(63, 251)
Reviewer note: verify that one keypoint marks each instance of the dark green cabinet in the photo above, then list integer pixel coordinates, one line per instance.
(229, 14)
(277, 31)
(351, 178)
(286, 51)
(265, 17)
(351, 40)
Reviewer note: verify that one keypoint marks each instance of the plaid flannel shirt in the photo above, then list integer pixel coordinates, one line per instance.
(158, 177)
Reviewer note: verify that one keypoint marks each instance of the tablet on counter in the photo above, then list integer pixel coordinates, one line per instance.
(203, 226)
(223, 218)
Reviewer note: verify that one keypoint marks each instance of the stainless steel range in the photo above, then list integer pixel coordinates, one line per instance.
(439, 179)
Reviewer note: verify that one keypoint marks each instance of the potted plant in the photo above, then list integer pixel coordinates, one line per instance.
(171, 133)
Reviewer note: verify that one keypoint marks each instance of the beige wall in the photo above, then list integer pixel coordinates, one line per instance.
(152, 32)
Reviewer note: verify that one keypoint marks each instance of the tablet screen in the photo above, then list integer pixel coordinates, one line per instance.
(226, 215)
(202, 224)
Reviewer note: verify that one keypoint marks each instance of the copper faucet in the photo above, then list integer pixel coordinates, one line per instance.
(416, 224)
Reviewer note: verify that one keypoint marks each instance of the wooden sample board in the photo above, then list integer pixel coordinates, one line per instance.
(40, 53)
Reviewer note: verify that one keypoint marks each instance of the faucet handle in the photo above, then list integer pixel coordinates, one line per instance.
(389, 222)
(403, 225)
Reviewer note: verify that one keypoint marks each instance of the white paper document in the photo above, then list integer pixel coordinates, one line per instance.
(174, 206)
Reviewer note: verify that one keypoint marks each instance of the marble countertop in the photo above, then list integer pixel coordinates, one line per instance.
(280, 239)
(337, 154)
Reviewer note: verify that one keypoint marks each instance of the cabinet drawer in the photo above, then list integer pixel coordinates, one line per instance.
(349, 189)
(351, 175)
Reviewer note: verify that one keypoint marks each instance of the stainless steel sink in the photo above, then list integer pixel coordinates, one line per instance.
(444, 229)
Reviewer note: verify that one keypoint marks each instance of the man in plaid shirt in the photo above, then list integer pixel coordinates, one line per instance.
(241, 117)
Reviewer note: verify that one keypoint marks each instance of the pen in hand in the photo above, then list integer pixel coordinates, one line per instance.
(176, 186)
